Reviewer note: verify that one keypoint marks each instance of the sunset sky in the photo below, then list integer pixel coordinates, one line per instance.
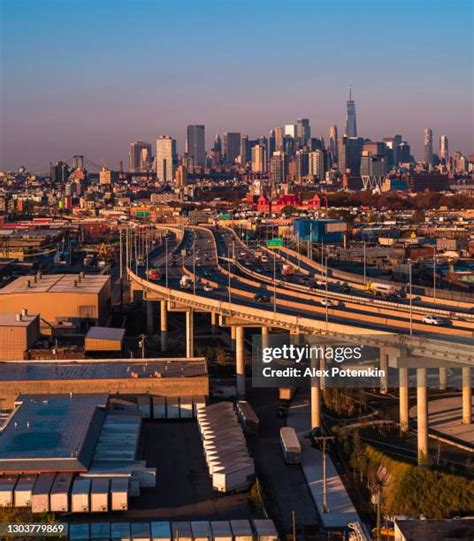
(90, 76)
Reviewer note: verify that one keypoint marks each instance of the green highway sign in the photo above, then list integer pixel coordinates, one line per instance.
(225, 217)
(277, 242)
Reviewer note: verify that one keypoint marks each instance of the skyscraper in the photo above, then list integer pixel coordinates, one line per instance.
(303, 131)
(443, 148)
(279, 134)
(195, 144)
(217, 143)
(165, 158)
(316, 164)
(244, 149)
(333, 144)
(302, 164)
(259, 159)
(290, 129)
(351, 123)
(278, 167)
(428, 146)
(349, 151)
(231, 146)
(139, 156)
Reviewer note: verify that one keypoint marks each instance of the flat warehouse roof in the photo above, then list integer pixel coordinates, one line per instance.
(56, 283)
(9, 319)
(52, 432)
(105, 333)
(110, 369)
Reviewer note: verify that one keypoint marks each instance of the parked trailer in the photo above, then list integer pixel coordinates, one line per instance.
(159, 407)
(80, 495)
(100, 495)
(201, 530)
(198, 403)
(79, 532)
(100, 531)
(182, 531)
(290, 445)
(119, 493)
(143, 402)
(221, 530)
(242, 530)
(140, 531)
(24, 490)
(40, 494)
(265, 530)
(7, 490)
(172, 407)
(238, 477)
(120, 531)
(186, 407)
(59, 496)
(248, 418)
(160, 531)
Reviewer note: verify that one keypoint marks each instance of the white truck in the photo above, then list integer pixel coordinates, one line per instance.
(185, 282)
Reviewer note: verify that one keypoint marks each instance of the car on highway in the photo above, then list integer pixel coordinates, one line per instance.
(208, 288)
(261, 298)
(432, 320)
(327, 303)
(345, 288)
(321, 283)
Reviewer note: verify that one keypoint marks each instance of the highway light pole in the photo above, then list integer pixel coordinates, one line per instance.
(228, 270)
(327, 299)
(166, 261)
(411, 296)
(194, 268)
(274, 283)
(324, 440)
(121, 264)
(365, 263)
(434, 273)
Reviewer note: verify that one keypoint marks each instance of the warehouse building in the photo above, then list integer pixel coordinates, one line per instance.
(56, 298)
(18, 333)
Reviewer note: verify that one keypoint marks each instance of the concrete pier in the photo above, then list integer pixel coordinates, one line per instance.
(443, 378)
(163, 326)
(189, 333)
(240, 360)
(466, 396)
(422, 414)
(403, 398)
(384, 367)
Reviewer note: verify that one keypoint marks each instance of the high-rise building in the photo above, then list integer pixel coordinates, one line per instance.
(231, 146)
(139, 156)
(333, 144)
(244, 149)
(443, 148)
(316, 164)
(373, 165)
(181, 176)
(351, 123)
(404, 152)
(302, 164)
(290, 129)
(195, 144)
(59, 173)
(217, 143)
(392, 150)
(349, 151)
(289, 146)
(278, 167)
(428, 146)
(303, 131)
(259, 159)
(279, 134)
(165, 158)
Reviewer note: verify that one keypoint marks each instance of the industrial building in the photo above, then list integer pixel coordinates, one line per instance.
(18, 333)
(57, 298)
(321, 231)
(161, 377)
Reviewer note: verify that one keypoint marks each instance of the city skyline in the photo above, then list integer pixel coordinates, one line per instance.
(126, 80)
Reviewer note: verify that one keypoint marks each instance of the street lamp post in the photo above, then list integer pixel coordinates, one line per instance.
(434, 273)
(327, 299)
(365, 263)
(166, 261)
(411, 295)
(274, 283)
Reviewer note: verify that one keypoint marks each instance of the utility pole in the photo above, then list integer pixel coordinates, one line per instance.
(365, 263)
(141, 343)
(228, 270)
(293, 522)
(324, 440)
(121, 265)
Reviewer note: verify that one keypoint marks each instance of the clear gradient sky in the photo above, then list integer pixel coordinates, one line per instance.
(90, 76)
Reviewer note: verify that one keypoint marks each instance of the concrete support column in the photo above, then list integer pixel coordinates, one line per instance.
(265, 339)
(466, 395)
(315, 398)
(322, 379)
(163, 326)
(422, 414)
(149, 317)
(384, 367)
(232, 338)
(443, 378)
(240, 360)
(189, 333)
(403, 399)
(213, 323)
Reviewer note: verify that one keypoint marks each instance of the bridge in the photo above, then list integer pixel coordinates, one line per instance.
(235, 278)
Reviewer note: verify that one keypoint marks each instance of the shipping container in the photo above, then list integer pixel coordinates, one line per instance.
(159, 407)
(182, 531)
(120, 531)
(119, 494)
(242, 530)
(40, 495)
(140, 531)
(59, 496)
(186, 407)
(7, 490)
(238, 477)
(80, 495)
(221, 530)
(265, 530)
(290, 445)
(79, 532)
(201, 530)
(100, 495)
(143, 402)
(24, 490)
(172, 407)
(100, 531)
(161, 531)
(248, 418)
